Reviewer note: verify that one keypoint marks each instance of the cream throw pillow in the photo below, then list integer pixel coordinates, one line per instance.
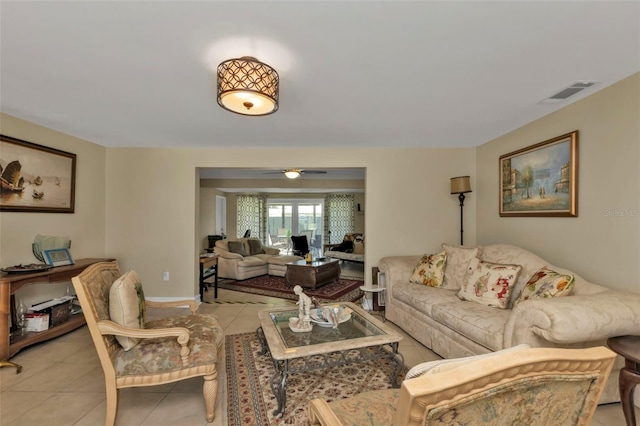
(489, 284)
(358, 247)
(126, 306)
(458, 259)
(430, 270)
(546, 283)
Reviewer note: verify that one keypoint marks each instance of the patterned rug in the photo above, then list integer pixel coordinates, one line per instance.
(250, 400)
(343, 290)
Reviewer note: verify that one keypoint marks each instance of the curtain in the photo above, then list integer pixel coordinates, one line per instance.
(252, 215)
(339, 217)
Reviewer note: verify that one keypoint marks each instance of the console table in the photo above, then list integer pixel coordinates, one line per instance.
(10, 284)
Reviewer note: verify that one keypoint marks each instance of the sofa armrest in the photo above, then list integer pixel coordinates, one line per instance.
(397, 269)
(574, 319)
(227, 254)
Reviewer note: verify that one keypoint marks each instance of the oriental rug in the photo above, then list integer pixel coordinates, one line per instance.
(343, 290)
(250, 400)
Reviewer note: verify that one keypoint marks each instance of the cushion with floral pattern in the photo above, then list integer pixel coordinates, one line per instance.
(546, 283)
(488, 283)
(430, 270)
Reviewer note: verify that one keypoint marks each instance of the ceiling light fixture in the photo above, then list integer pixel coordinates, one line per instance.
(292, 174)
(247, 86)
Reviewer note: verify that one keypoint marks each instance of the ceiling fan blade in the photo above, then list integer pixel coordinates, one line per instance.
(275, 172)
(313, 172)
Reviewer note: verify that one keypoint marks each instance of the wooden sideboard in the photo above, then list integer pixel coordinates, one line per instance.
(11, 283)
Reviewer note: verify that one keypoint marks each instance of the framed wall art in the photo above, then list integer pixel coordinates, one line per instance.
(35, 178)
(542, 179)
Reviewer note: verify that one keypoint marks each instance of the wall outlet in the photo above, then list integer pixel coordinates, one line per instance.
(165, 275)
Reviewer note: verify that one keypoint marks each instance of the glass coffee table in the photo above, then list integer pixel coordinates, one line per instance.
(360, 337)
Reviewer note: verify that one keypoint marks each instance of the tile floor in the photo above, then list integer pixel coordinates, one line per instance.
(62, 383)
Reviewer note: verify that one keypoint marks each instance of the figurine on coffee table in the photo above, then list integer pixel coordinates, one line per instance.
(304, 308)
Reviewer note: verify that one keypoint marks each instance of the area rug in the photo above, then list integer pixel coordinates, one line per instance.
(250, 400)
(343, 290)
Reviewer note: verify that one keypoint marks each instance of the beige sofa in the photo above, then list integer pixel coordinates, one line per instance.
(243, 264)
(356, 247)
(455, 328)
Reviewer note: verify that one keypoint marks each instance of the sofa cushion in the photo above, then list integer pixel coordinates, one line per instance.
(430, 270)
(423, 298)
(358, 247)
(237, 247)
(546, 283)
(127, 306)
(488, 283)
(255, 246)
(258, 260)
(458, 259)
(480, 323)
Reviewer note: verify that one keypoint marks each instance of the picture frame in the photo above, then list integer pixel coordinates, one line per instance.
(58, 257)
(36, 178)
(541, 180)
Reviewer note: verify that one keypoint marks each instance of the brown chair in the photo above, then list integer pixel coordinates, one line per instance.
(536, 386)
(181, 347)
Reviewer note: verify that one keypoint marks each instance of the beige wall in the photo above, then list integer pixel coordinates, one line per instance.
(603, 243)
(85, 227)
(153, 224)
(207, 214)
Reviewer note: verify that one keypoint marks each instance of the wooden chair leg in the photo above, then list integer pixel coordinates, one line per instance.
(210, 392)
(112, 405)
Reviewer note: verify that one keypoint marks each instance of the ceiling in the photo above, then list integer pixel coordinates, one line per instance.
(356, 74)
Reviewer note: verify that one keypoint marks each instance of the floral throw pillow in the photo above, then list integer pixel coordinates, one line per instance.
(546, 283)
(489, 284)
(430, 270)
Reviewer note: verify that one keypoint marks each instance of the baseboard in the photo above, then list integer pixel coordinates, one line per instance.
(173, 299)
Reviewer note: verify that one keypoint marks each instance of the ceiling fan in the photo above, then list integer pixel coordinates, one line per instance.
(295, 173)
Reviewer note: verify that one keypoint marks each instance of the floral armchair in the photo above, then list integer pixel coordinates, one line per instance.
(538, 386)
(136, 353)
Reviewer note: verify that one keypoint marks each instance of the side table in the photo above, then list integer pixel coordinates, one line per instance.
(629, 348)
(208, 268)
(374, 290)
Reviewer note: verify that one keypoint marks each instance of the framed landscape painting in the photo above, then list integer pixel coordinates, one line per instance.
(542, 179)
(35, 178)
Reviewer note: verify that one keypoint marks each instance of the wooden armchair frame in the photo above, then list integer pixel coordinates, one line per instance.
(92, 288)
(447, 390)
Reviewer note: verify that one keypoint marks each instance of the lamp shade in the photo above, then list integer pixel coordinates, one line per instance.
(460, 185)
(247, 86)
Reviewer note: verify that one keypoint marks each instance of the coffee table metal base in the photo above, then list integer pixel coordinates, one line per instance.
(285, 367)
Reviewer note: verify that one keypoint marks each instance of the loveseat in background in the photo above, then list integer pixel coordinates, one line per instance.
(248, 258)
(351, 248)
(455, 328)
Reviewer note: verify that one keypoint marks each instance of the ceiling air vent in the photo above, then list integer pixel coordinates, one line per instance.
(576, 87)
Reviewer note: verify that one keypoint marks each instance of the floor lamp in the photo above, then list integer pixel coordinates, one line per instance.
(460, 185)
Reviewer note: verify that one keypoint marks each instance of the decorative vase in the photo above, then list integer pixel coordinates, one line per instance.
(21, 310)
